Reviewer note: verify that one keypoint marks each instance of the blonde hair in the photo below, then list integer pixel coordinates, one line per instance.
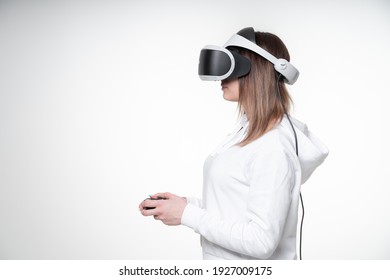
(263, 103)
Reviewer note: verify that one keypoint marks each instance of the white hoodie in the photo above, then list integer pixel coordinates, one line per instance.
(250, 199)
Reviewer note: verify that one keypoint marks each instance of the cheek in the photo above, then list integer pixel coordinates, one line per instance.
(233, 91)
(231, 95)
(236, 90)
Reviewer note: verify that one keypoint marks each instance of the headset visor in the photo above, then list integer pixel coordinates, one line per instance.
(215, 63)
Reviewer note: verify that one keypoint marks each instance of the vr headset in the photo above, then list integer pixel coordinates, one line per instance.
(221, 63)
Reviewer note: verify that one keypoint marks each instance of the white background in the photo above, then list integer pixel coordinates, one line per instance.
(100, 106)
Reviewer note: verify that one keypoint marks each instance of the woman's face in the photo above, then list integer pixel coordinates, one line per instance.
(231, 90)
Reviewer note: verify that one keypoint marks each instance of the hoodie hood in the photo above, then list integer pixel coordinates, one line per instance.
(311, 151)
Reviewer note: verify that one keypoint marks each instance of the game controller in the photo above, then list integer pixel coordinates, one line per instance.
(153, 198)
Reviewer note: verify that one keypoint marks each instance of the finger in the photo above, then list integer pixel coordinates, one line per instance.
(149, 212)
(157, 195)
(165, 195)
(150, 204)
(141, 205)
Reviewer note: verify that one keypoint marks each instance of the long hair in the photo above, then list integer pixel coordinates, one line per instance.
(259, 98)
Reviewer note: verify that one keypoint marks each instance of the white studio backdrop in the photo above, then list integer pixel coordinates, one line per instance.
(100, 106)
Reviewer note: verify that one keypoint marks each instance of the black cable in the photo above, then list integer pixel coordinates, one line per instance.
(295, 134)
(296, 151)
(300, 233)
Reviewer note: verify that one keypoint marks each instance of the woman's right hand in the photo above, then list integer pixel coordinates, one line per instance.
(168, 209)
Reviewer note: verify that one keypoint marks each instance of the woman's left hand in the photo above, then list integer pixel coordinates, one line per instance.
(169, 209)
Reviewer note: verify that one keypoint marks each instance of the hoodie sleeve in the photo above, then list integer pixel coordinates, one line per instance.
(195, 201)
(271, 179)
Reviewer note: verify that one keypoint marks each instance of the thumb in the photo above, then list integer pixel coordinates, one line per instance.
(165, 195)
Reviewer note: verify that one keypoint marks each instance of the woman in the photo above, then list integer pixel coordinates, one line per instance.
(252, 180)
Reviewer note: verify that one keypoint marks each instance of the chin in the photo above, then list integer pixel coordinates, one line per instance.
(229, 98)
